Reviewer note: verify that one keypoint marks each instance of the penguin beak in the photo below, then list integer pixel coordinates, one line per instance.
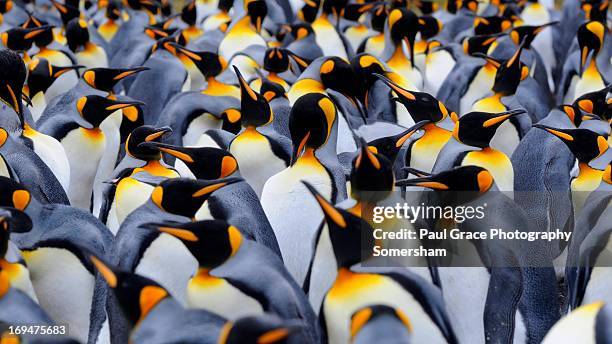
(216, 186)
(174, 229)
(331, 213)
(429, 182)
(298, 149)
(415, 172)
(26, 99)
(105, 270)
(175, 151)
(409, 132)
(158, 133)
(129, 72)
(401, 92)
(586, 54)
(188, 53)
(244, 86)
(122, 105)
(560, 133)
(544, 26)
(58, 71)
(501, 117)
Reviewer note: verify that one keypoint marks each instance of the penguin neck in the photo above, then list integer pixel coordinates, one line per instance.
(156, 168)
(592, 71)
(588, 178)
(203, 276)
(4, 283)
(307, 159)
(399, 59)
(217, 88)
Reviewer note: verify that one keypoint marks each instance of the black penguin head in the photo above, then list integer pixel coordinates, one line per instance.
(12, 77)
(77, 34)
(334, 8)
(478, 128)
(94, 109)
(595, 9)
(585, 144)
(12, 221)
(429, 26)
(182, 196)
(6, 6)
(371, 176)
(206, 163)
(470, 5)
(574, 114)
(151, 7)
(366, 66)
(422, 106)
(528, 33)
(350, 235)
(596, 103)
(271, 90)
(266, 328)
(366, 314)
(105, 79)
(309, 11)
(67, 11)
(44, 38)
(479, 44)
(338, 75)
(143, 134)
(590, 40)
(254, 107)
(225, 5)
(20, 39)
(404, 25)
(389, 146)
(211, 242)
(510, 74)
(467, 178)
(491, 25)
(276, 60)
(379, 17)
(257, 11)
(208, 63)
(13, 194)
(300, 30)
(232, 118)
(310, 122)
(113, 11)
(189, 14)
(137, 295)
(354, 11)
(42, 75)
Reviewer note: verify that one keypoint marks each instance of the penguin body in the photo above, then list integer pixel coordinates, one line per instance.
(65, 285)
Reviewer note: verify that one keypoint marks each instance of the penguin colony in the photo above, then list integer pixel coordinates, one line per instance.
(201, 175)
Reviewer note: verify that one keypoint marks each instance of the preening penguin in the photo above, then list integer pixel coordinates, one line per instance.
(355, 288)
(233, 273)
(147, 311)
(259, 157)
(63, 280)
(310, 123)
(471, 145)
(203, 67)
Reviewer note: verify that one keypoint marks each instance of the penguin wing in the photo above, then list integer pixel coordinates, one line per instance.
(35, 174)
(594, 252)
(239, 205)
(428, 296)
(258, 272)
(16, 307)
(457, 82)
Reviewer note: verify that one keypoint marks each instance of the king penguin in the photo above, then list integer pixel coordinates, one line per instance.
(84, 143)
(65, 284)
(87, 53)
(245, 31)
(310, 123)
(225, 282)
(355, 287)
(259, 157)
(471, 145)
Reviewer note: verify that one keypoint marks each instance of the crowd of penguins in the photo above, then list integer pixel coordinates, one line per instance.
(201, 173)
